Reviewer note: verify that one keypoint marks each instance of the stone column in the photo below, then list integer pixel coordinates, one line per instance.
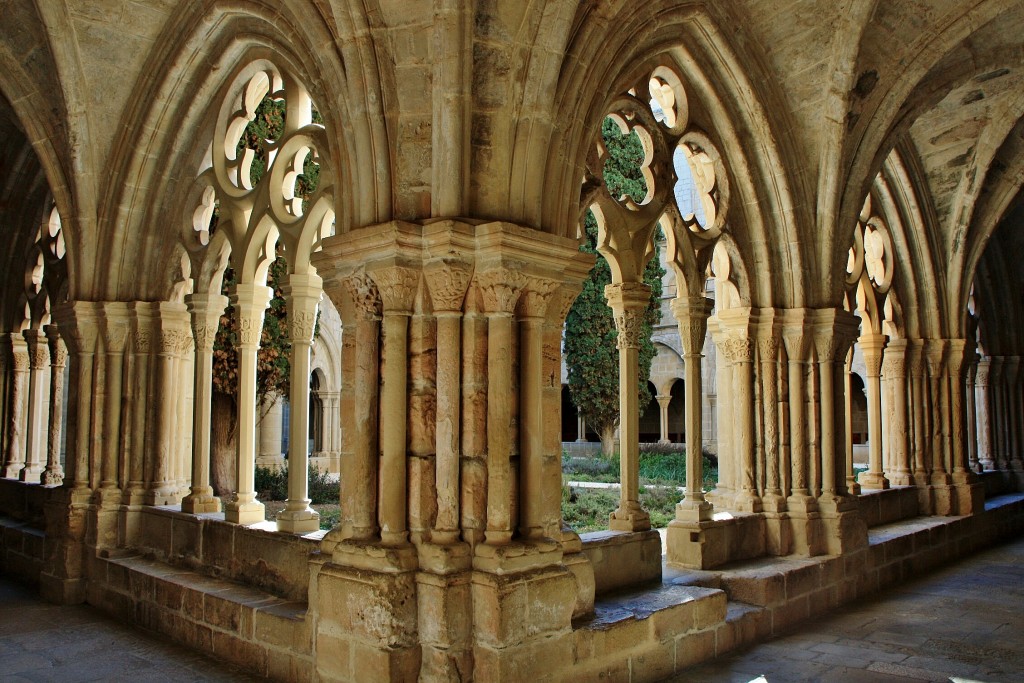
(995, 390)
(500, 290)
(916, 417)
(54, 473)
(984, 391)
(173, 334)
(955, 376)
(944, 502)
(81, 330)
(969, 493)
(872, 346)
(205, 311)
(797, 342)
(302, 293)
(360, 476)
(768, 362)
(692, 318)
(397, 286)
(833, 333)
(581, 427)
(629, 301)
(38, 389)
(851, 481)
(142, 405)
(894, 369)
(447, 282)
(1013, 411)
(115, 335)
(935, 357)
(533, 304)
(972, 415)
(16, 414)
(271, 431)
(250, 303)
(739, 350)
(663, 401)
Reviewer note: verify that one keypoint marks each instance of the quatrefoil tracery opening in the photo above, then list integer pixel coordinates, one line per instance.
(676, 155)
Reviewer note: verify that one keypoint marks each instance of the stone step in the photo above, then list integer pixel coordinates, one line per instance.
(241, 624)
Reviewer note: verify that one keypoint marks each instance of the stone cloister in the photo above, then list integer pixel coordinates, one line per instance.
(854, 174)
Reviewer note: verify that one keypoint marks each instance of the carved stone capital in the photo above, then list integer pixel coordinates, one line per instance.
(692, 319)
(58, 349)
(629, 323)
(447, 282)
(562, 302)
(175, 341)
(500, 289)
(535, 297)
(38, 350)
(981, 377)
(362, 290)
(115, 336)
(798, 344)
(871, 346)
(205, 311)
(397, 286)
(250, 302)
(20, 359)
(894, 362)
(737, 349)
(934, 355)
(768, 348)
(301, 325)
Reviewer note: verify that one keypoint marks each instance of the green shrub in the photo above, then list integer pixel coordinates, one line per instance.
(322, 488)
(271, 483)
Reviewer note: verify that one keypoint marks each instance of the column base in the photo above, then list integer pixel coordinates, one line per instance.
(853, 486)
(200, 503)
(748, 501)
(31, 475)
(516, 556)
(710, 544)
(778, 536)
(54, 477)
(970, 493)
(805, 523)
(161, 496)
(630, 519)
(252, 512)
(843, 527)
(687, 511)
(375, 556)
(11, 471)
(444, 558)
(298, 521)
(583, 571)
(873, 480)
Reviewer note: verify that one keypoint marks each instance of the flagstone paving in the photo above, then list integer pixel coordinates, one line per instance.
(960, 623)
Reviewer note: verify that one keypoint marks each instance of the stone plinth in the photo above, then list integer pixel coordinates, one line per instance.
(622, 559)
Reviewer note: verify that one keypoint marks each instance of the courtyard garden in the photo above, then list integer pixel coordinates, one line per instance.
(584, 508)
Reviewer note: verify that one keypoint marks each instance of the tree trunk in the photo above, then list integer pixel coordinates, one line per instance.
(607, 440)
(223, 443)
